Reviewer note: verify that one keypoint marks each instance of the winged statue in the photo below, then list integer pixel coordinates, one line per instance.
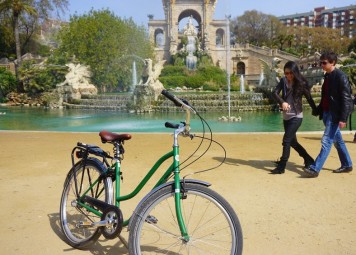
(150, 75)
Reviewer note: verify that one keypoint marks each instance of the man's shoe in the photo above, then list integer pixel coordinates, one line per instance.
(310, 172)
(343, 169)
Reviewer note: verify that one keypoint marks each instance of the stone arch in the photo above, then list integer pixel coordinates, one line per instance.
(220, 37)
(191, 13)
(240, 68)
(159, 39)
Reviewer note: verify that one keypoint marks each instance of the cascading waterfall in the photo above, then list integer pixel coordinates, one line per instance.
(242, 84)
(191, 60)
(134, 75)
(191, 33)
(262, 77)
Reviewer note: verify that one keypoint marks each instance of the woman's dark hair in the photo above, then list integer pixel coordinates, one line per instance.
(299, 82)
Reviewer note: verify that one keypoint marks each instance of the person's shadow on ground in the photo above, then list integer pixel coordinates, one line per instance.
(265, 165)
(318, 139)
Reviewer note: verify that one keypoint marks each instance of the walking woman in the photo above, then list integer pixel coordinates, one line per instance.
(292, 87)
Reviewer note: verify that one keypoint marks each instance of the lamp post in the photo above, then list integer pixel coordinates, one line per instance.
(228, 59)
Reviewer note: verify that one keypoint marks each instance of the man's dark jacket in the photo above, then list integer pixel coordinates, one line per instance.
(340, 99)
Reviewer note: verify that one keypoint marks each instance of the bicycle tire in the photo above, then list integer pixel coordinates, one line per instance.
(71, 214)
(212, 224)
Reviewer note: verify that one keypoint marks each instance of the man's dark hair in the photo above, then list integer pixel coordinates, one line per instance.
(331, 57)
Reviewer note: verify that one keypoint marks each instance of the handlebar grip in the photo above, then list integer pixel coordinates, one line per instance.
(171, 125)
(171, 97)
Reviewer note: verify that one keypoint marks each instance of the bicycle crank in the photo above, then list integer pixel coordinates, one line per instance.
(113, 218)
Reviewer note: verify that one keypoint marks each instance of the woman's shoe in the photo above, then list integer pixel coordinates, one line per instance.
(307, 163)
(281, 165)
(308, 160)
(277, 171)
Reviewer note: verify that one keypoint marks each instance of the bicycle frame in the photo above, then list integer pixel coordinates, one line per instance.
(173, 168)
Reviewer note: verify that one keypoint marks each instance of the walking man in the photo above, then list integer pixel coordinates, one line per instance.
(335, 107)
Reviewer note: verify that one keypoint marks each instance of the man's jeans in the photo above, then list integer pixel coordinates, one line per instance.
(331, 135)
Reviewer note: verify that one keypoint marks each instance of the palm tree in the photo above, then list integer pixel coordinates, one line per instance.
(17, 7)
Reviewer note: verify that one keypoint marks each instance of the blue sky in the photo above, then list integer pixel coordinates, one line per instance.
(139, 9)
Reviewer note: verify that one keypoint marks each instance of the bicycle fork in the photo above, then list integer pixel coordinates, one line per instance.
(178, 196)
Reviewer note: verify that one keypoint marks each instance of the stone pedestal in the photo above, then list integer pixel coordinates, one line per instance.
(143, 96)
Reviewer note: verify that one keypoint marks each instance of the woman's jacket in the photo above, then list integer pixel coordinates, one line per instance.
(297, 97)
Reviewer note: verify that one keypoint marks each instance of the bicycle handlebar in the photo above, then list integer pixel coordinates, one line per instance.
(180, 103)
(172, 97)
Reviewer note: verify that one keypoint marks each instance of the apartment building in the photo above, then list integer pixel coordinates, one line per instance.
(342, 18)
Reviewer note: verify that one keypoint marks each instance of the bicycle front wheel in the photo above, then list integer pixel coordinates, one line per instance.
(76, 220)
(212, 224)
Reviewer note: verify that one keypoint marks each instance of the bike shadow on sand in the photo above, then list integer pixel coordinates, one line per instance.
(101, 247)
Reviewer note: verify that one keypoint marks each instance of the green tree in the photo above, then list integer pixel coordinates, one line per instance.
(40, 78)
(261, 29)
(257, 28)
(20, 10)
(281, 40)
(7, 82)
(318, 39)
(349, 67)
(352, 46)
(7, 42)
(327, 39)
(17, 8)
(106, 43)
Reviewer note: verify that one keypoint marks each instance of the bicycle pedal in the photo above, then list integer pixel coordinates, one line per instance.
(82, 224)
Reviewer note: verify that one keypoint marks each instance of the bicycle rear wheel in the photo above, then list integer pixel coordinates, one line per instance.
(72, 215)
(211, 222)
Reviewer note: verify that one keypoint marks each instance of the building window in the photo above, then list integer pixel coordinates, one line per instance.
(159, 38)
(240, 68)
(219, 37)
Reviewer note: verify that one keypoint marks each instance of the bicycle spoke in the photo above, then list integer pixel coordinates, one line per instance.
(76, 220)
(211, 229)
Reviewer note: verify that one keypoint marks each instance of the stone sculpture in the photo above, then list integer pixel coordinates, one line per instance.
(77, 82)
(150, 76)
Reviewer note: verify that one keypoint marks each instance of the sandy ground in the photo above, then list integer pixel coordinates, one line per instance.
(279, 214)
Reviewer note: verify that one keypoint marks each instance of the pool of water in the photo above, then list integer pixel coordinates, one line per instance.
(72, 120)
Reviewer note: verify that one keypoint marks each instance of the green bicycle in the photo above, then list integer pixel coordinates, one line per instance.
(179, 216)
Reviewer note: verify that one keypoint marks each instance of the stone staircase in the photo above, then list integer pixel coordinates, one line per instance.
(115, 102)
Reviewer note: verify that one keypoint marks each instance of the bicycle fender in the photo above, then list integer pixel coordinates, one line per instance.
(94, 160)
(171, 183)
